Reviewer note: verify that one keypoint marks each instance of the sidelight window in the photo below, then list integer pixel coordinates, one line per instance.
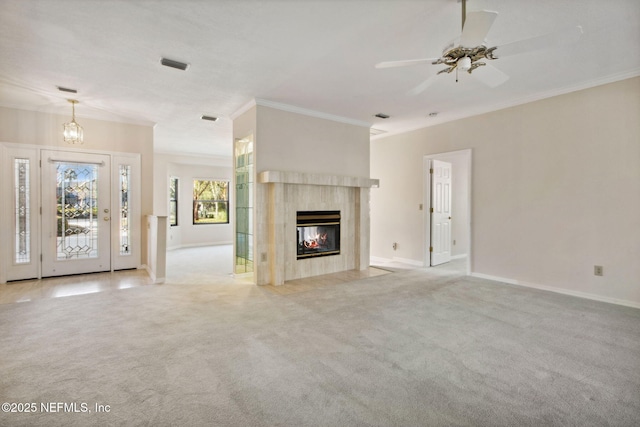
(125, 226)
(22, 253)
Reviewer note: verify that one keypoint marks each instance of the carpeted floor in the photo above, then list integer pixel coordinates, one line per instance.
(411, 348)
(201, 265)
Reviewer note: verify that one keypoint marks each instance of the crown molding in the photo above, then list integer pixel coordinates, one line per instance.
(240, 111)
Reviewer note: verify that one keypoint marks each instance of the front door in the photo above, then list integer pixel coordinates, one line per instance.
(440, 212)
(76, 213)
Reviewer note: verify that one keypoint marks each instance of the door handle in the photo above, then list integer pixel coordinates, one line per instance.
(106, 218)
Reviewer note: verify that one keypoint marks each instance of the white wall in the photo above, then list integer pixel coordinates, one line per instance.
(295, 142)
(188, 168)
(555, 190)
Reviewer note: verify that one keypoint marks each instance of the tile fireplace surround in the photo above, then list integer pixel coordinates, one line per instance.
(289, 192)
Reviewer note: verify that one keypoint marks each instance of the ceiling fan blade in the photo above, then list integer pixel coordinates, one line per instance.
(490, 75)
(476, 27)
(422, 86)
(404, 63)
(555, 39)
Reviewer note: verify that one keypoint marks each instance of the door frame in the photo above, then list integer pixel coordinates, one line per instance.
(132, 260)
(466, 154)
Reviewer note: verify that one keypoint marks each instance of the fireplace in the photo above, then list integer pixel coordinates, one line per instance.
(318, 233)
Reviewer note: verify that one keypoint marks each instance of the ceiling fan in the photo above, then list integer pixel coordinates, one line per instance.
(471, 52)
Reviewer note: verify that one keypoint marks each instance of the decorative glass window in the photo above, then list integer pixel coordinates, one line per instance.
(125, 227)
(173, 201)
(77, 210)
(22, 253)
(244, 178)
(210, 202)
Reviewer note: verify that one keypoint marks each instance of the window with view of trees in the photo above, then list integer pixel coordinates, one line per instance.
(173, 201)
(210, 202)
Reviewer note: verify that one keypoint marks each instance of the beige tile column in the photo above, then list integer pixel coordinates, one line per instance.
(277, 224)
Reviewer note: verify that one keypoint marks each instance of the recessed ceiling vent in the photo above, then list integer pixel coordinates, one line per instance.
(174, 64)
(382, 116)
(210, 118)
(66, 89)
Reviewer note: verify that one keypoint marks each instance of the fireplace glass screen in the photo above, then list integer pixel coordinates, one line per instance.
(318, 233)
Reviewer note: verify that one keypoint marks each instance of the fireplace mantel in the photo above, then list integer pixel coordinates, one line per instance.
(285, 177)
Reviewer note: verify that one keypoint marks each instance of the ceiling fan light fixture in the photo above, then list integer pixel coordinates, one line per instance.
(464, 63)
(73, 132)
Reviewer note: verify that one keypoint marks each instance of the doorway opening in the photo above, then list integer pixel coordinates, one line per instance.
(451, 229)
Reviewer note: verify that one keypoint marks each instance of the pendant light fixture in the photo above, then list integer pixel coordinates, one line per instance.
(72, 130)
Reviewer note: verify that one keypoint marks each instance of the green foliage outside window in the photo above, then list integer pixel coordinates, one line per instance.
(210, 202)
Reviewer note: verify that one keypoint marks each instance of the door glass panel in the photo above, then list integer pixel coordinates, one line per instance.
(22, 253)
(125, 228)
(77, 210)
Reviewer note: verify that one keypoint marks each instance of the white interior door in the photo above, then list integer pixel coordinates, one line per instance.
(440, 212)
(76, 213)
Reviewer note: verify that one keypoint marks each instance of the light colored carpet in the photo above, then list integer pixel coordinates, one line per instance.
(411, 348)
(201, 265)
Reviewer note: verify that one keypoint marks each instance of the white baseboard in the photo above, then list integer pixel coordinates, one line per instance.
(558, 290)
(408, 261)
(378, 260)
(152, 275)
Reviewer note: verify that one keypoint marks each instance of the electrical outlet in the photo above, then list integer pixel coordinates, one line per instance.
(395, 246)
(598, 270)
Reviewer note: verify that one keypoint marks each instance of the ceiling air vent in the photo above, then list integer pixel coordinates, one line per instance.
(66, 89)
(210, 118)
(382, 116)
(174, 64)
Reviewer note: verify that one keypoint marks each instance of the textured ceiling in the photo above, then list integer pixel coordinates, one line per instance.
(313, 54)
